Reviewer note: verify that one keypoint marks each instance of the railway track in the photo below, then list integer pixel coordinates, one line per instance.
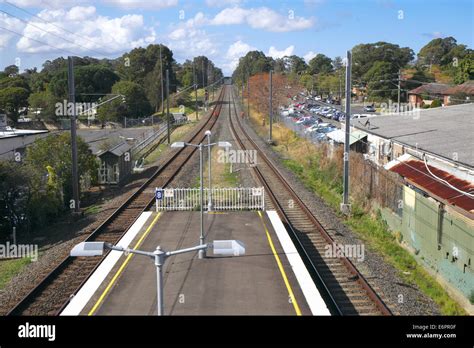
(343, 287)
(54, 292)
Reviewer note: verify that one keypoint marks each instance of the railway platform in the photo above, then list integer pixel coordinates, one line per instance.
(269, 280)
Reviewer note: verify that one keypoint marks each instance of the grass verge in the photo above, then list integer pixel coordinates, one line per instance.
(10, 268)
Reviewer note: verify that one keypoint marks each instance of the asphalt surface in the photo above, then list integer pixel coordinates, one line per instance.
(247, 285)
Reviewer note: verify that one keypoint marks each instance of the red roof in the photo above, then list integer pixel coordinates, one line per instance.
(416, 172)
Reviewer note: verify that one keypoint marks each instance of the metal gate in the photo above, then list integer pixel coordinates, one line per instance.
(238, 198)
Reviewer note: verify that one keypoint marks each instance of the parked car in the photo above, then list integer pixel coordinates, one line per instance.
(369, 108)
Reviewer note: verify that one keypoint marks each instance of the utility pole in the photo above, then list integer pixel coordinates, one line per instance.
(271, 105)
(195, 91)
(168, 105)
(399, 80)
(345, 206)
(202, 70)
(161, 83)
(72, 101)
(248, 95)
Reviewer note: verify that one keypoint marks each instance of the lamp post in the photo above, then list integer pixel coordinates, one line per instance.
(209, 195)
(159, 256)
(181, 144)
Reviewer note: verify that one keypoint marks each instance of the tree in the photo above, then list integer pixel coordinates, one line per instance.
(14, 196)
(45, 101)
(464, 70)
(320, 64)
(364, 57)
(297, 65)
(15, 81)
(436, 51)
(252, 63)
(11, 70)
(51, 156)
(380, 80)
(12, 99)
(90, 81)
(136, 103)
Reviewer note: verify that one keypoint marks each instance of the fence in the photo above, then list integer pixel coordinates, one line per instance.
(239, 198)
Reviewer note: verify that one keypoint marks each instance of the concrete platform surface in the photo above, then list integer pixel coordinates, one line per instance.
(259, 283)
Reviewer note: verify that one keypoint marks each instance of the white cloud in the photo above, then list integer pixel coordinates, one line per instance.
(234, 52)
(262, 18)
(308, 56)
(274, 53)
(187, 40)
(93, 32)
(222, 3)
(12, 24)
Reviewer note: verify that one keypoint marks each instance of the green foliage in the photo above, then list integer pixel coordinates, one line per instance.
(380, 80)
(10, 268)
(11, 99)
(252, 63)
(436, 103)
(464, 71)
(14, 196)
(11, 70)
(51, 157)
(364, 57)
(320, 64)
(44, 100)
(16, 81)
(89, 79)
(441, 51)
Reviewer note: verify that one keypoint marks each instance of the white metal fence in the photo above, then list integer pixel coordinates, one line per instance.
(239, 198)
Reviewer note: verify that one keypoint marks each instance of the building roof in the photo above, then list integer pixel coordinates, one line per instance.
(416, 173)
(431, 88)
(467, 87)
(445, 131)
(117, 150)
(339, 136)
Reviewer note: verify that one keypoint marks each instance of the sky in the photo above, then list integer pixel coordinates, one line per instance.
(32, 31)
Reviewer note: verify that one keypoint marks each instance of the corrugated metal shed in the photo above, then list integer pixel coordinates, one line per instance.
(416, 173)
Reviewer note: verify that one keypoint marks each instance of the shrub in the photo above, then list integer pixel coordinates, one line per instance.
(436, 103)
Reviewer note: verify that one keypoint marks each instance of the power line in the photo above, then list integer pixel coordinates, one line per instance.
(61, 28)
(51, 33)
(41, 42)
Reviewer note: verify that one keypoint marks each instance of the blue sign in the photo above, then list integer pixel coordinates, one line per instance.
(159, 194)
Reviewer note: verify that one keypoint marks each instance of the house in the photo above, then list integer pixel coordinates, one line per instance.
(426, 93)
(465, 88)
(115, 164)
(444, 133)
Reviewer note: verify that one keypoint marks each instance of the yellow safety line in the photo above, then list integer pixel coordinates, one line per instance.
(280, 266)
(122, 267)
